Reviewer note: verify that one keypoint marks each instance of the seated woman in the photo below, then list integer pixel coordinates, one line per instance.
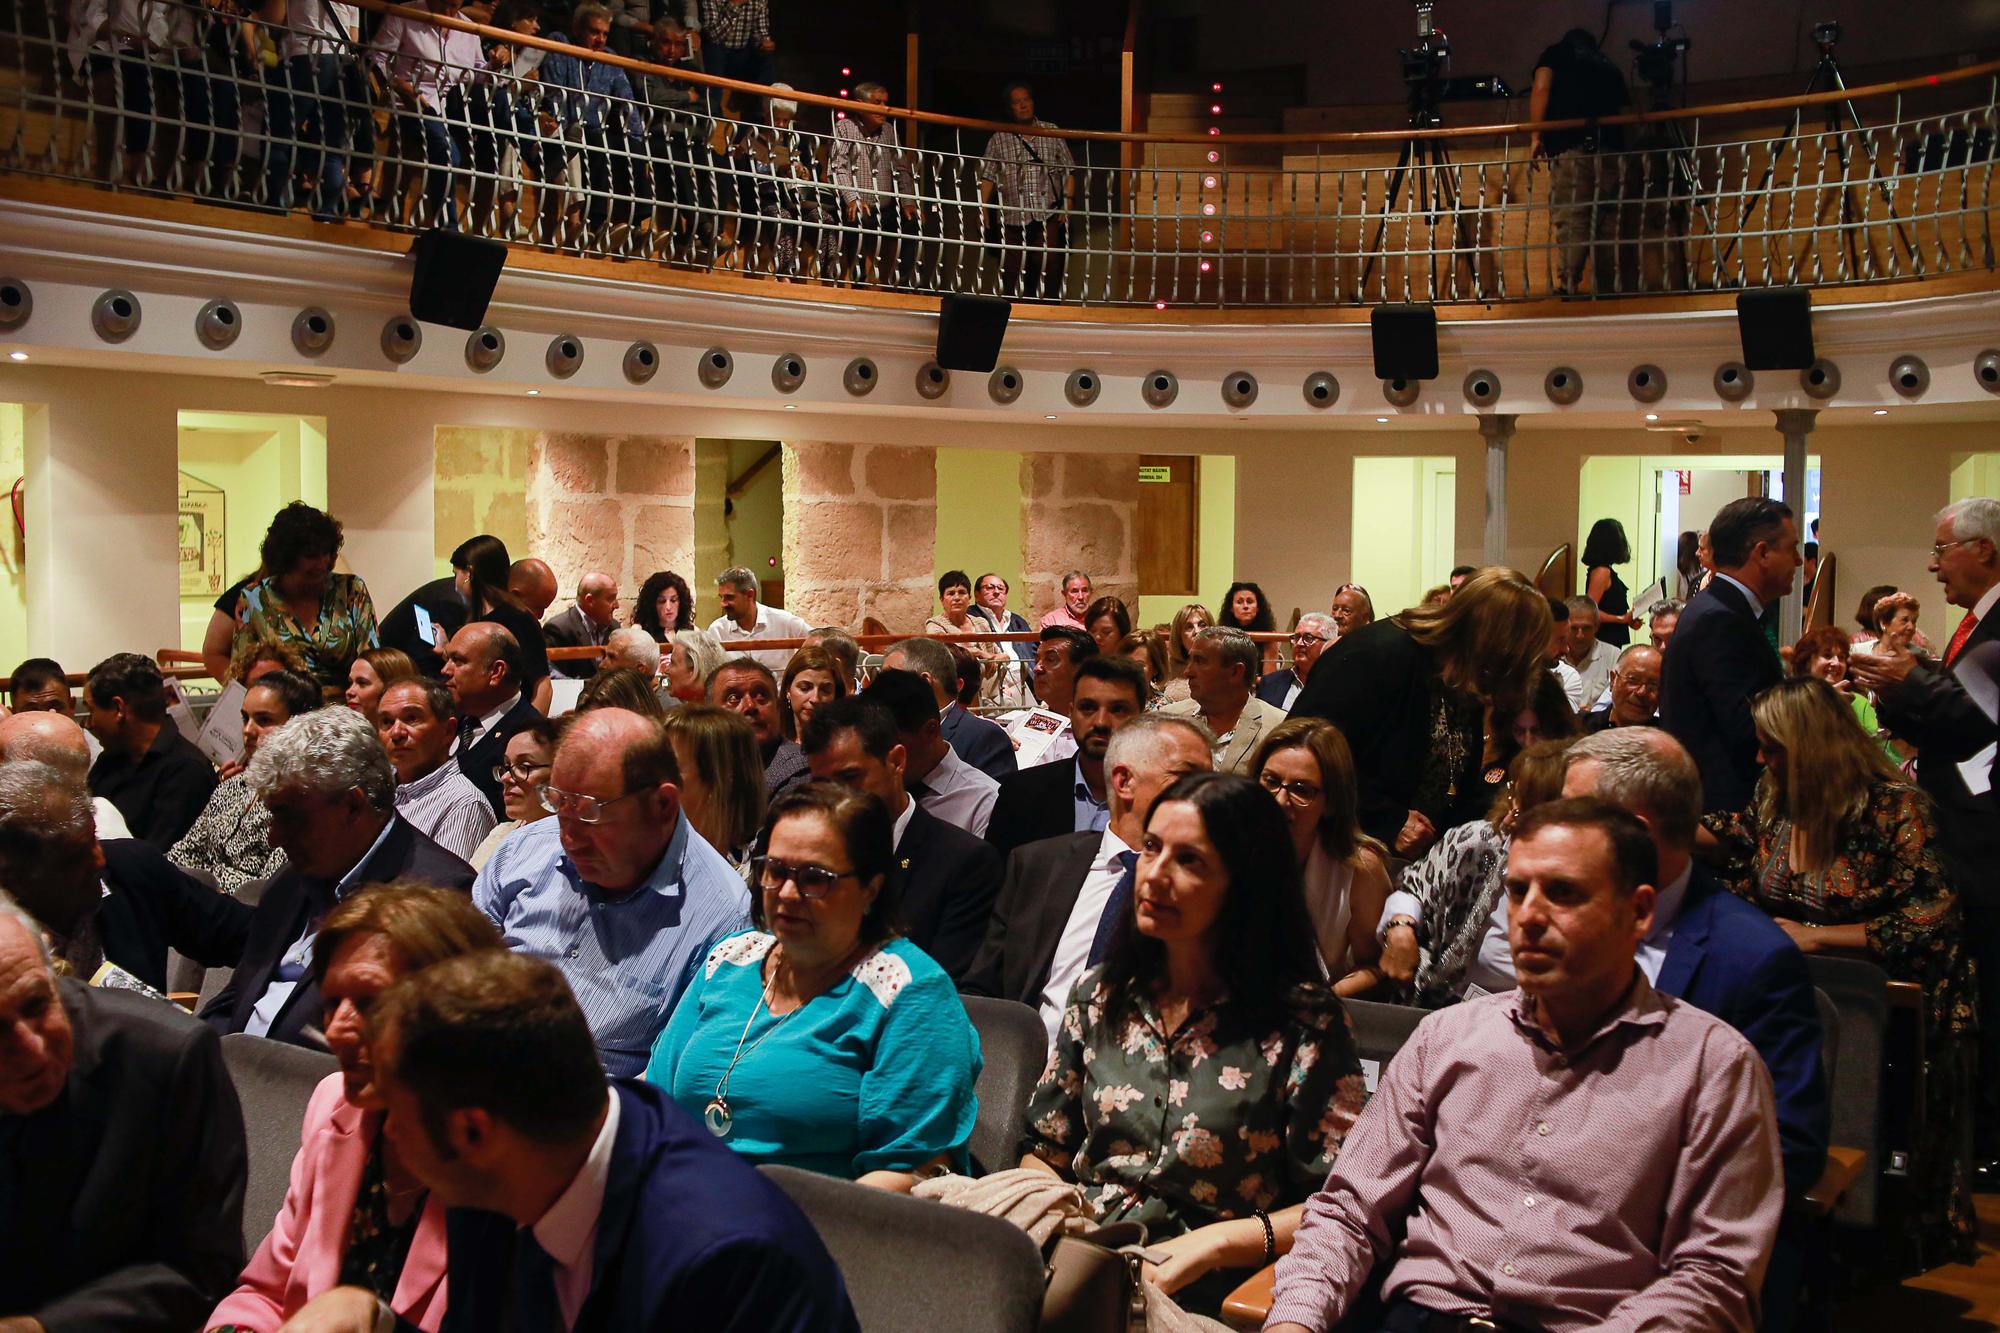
(688, 656)
(1865, 636)
(355, 1215)
(1189, 621)
(523, 768)
(255, 659)
(722, 777)
(300, 601)
(1896, 618)
(1842, 852)
(1823, 653)
(1149, 650)
(230, 840)
(957, 616)
(373, 672)
(1107, 621)
(620, 687)
(664, 605)
(811, 678)
(824, 1040)
(1307, 769)
(1203, 1075)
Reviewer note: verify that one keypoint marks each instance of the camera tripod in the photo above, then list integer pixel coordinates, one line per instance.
(1424, 164)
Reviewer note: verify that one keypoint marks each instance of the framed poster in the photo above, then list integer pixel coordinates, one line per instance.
(204, 532)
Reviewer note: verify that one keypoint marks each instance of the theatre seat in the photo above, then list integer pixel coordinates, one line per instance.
(1381, 1029)
(1858, 992)
(913, 1266)
(274, 1081)
(1015, 1046)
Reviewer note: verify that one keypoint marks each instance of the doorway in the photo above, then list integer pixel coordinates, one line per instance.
(1404, 533)
(1657, 497)
(237, 470)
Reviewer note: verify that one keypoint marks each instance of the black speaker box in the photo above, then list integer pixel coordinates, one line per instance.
(1406, 341)
(969, 331)
(1776, 327)
(454, 277)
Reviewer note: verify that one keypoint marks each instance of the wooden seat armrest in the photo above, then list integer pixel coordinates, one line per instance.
(1843, 1168)
(186, 999)
(1247, 1306)
(1906, 995)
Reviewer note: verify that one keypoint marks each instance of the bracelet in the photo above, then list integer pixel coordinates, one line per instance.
(1270, 1238)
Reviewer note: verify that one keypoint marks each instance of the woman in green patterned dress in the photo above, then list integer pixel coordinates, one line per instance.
(300, 601)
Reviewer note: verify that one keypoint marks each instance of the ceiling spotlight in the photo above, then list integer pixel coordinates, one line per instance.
(1652, 416)
(1381, 421)
(295, 379)
(1050, 417)
(17, 356)
(534, 393)
(1880, 411)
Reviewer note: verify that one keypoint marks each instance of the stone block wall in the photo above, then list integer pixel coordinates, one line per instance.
(860, 532)
(713, 551)
(623, 504)
(1079, 511)
(480, 484)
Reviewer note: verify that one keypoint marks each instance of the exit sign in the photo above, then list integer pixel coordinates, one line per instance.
(1159, 474)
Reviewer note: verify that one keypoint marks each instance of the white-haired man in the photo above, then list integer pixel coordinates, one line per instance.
(1313, 635)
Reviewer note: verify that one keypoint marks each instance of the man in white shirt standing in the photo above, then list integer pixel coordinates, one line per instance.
(744, 617)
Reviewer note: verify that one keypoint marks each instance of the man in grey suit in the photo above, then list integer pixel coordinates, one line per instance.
(1221, 672)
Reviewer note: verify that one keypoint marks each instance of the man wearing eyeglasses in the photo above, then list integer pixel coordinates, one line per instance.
(617, 890)
(1280, 688)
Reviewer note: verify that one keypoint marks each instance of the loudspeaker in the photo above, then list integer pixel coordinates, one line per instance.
(1406, 341)
(1775, 325)
(454, 277)
(969, 331)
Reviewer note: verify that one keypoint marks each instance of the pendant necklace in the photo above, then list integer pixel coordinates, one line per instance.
(716, 1114)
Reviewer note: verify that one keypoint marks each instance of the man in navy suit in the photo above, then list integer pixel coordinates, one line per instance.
(978, 742)
(1310, 638)
(574, 1207)
(482, 665)
(1068, 796)
(1720, 658)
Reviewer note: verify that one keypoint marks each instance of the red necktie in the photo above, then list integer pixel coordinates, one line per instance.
(1957, 645)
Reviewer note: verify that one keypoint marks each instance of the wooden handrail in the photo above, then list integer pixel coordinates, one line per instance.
(872, 642)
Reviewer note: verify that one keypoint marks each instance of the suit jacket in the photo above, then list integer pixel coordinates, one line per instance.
(1033, 804)
(1932, 711)
(1731, 960)
(981, 743)
(950, 879)
(478, 760)
(1252, 725)
(572, 629)
(301, 1256)
(1275, 685)
(1036, 898)
(154, 906)
(689, 1237)
(129, 1207)
(440, 600)
(1718, 660)
(289, 901)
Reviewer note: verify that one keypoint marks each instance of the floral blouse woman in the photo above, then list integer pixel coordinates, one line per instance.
(1203, 1075)
(300, 600)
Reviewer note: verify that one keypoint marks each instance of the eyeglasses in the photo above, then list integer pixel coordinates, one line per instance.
(577, 807)
(1305, 793)
(812, 882)
(523, 771)
(1302, 638)
(1937, 551)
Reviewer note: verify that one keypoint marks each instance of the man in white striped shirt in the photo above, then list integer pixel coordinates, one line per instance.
(417, 721)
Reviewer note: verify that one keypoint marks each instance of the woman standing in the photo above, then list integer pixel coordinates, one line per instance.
(300, 601)
(664, 605)
(1606, 546)
(1203, 1075)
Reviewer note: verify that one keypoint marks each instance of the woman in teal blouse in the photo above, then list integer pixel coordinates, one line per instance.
(825, 1040)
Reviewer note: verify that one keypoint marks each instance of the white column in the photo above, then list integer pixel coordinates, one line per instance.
(1498, 430)
(1795, 424)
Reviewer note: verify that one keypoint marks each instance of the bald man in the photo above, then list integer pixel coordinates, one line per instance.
(585, 625)
(482, 667)
(534, 583)
(617, 890)
(56, 740)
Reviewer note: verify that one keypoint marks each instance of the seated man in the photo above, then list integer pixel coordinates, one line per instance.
(1591, 657)
(122, 1144)
(943, 784)
(39, 685)
(1049, 923)
(1058, 653)
(496, 1103)
(154, 775)
(332, 796)
(617, 890)
(745, 685)
(1571, 678)
(482, 665)
(1635, 692)
(978, 742)
(744, 617)
(1222, 668)
(418, 722)
(1310, 638)
(1049, 800)
(117, 903)
(1493, 1147)
(634, 649)
(55, 739)
(950, 878)
(587, 623)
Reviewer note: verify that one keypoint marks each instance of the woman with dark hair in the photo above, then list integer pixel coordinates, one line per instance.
(523, 768)
(482, 581)
(1107, 621)
(300, 601)
(956, 616)
(1688, 565)
(230, 840)
(823, 1039)
(1149, 650)
(1864, 616)
(1606, 546)
(664, 605)
(1244, 607)
(621, 687)
(1824, 653)
(811, 678)
(1203, 1075)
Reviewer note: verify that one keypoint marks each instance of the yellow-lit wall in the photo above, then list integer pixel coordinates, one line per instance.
(756, 523)
(979, 516)
(1404, 523)
(1975, 475)
(13, 548)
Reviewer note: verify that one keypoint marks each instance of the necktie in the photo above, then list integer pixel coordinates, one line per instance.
(1958, 638)
(1116, 908)
(536, 1309)
(917, 789)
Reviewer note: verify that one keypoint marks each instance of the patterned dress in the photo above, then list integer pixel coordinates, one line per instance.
(1885, 874)
(345, 629)
(230, 839)
(1458, 881)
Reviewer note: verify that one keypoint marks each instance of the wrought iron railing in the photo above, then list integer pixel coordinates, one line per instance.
(543, 144)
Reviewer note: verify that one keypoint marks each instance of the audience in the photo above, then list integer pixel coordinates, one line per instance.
(845, 651)
(1068, 613)
(1568, 676)
(948, 878)
(1352, 609)
(1590, 657)
(722, 778)
(421, 624)
(943, 783)
(632, 649)
(812, 679)
(39, 685)
(154, 775)
(331, 794)
(1662, 620)
(980, 743)
(1052, 799)
(1205, 994)
(375, 671)
(1189, 621)
(990, 597)
(1635, 692)
(1661, 1217)
(1246, 608)
(493, 1100)
(418, 723)
(1896, 624)
(1222, 668)
(299, 600)
(1036, 181)
(864, 1063)
(1147, 649)
(1281, 688)
(523, 769)
(957, 616)
(229, 842)
(1604, 548)
(1107, 621)
(533, 584)
(588, 622)
(621, 687)
(1866, 633)
(1823, 654)
(1058, 652)
(745, 618)
(1306, 767)
(688, 659)
(122, 1142)
(483, 669)
(664, 606)
(255, 659)
(354, 1211)
(617, 890)
(745, 685)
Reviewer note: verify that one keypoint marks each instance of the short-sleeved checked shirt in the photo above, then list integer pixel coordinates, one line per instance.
(1032, 173)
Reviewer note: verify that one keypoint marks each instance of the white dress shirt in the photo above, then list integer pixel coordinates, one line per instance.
(567, 1232)
(1493, 969)
(770, 623)
(1596, 672)
(902, 825)
(960, 794)
(1572, 683)
(1073, 948)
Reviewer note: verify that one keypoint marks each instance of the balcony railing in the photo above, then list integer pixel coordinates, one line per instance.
(542, 144)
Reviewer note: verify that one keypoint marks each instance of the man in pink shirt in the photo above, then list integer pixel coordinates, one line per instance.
(1583, 1152)
(1076, 599)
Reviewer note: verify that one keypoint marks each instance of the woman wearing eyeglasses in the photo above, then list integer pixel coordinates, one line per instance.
(823, 1039)
(524, 767)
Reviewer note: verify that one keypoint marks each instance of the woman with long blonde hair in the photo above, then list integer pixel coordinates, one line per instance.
(722, 777)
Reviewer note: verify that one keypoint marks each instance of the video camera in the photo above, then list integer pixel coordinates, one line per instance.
(1655, 61)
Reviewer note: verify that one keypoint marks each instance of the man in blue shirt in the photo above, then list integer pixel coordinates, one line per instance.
(617, 890)
(588, 106)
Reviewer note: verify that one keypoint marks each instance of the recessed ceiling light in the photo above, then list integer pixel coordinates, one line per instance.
(791, 407)
(296, 379)
(534, 393)
(1381, 421)
(1050, 417)
(1880, 411)
(1652, 416)
(17, 356)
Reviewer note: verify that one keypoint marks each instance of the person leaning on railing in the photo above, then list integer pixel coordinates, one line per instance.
(588, 109)
(676, 134)
(775, 156)
(203, 42)
(1035, 179)
(427, 67)
(306, 102)
(1574, 81)
(878, 192)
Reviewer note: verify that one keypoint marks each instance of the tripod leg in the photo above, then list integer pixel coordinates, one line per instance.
(1397, 174)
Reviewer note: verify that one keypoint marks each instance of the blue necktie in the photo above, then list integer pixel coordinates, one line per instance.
(1116, 908)
(536, 1309)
